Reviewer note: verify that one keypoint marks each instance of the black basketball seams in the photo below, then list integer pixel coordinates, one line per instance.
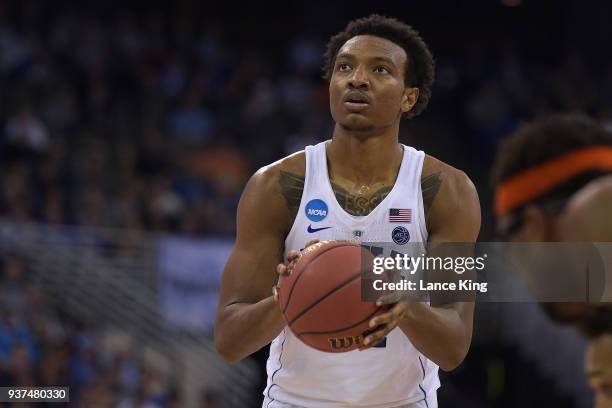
(316, 302)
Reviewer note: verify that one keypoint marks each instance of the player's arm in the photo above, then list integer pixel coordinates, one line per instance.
(248, 318)
(442, 333)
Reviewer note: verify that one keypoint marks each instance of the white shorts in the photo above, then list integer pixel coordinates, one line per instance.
(430, 402)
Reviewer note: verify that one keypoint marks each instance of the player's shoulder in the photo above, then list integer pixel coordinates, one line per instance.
(448, 177)
(267, 198)
(275, 190)
(268, 177)
(449, 199)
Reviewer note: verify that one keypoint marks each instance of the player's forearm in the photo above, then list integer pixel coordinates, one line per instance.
(438, 333)
(243, 328)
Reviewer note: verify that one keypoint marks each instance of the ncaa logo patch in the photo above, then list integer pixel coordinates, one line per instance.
(316, 210)
(400, 235)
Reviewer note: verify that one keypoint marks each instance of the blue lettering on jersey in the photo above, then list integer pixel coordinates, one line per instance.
(400, 235)
(316, 210)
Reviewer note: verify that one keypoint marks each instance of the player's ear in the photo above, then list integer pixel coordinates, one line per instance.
(409, 98)
(537, 228)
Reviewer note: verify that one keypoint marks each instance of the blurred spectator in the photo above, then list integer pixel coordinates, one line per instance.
(191, 122)
(36, 349)
(25, 133)
(122, 118)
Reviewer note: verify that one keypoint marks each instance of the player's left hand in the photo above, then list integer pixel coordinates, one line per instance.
(293, 256)
(382, 324)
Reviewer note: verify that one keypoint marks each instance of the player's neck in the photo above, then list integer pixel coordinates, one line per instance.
(368, 159)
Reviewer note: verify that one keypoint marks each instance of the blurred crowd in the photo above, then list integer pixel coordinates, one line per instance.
(155, 121)
(39, 347)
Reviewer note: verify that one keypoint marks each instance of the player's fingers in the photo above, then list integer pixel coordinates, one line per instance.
(381, 319)
(294, 260)
(389, 298)
(275, 293)
(282, 269)
(373, 338)
(292, 254)
(312, 242)
(290, 266)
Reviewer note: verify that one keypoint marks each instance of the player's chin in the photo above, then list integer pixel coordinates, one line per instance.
(357, 123)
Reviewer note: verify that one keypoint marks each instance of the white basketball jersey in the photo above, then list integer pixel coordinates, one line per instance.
(393, 375)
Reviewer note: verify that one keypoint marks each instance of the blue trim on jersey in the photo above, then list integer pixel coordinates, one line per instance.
(422, 367)
(425, 394)
(277, 370)
(420, 386)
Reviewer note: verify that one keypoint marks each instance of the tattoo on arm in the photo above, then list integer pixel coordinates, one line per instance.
(292, 187)
(430, 186)
(357, 204)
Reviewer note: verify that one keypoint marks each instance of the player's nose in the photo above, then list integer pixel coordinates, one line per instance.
(359, 79)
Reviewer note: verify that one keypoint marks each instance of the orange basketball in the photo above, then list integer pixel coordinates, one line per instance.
(321, 299)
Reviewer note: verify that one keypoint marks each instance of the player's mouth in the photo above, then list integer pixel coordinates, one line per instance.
(356, 101)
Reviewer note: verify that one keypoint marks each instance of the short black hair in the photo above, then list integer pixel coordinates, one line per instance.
(419, 70)
(545, 139)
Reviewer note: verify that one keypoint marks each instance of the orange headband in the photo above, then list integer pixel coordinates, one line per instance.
(536, 181)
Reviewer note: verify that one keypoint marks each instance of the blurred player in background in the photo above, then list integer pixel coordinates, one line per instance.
(361, 183)
(553, 183)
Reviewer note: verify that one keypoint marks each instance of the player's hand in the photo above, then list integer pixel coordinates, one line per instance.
(381, 325)
(293, 257)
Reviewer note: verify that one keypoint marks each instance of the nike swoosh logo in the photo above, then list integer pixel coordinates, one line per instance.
(311, 230)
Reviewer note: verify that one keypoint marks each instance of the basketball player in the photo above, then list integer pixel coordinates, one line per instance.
(587, 218)
(552, 184)
(379, 71)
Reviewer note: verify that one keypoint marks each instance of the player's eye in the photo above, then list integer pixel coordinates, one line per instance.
(381, 70)
(343, 67)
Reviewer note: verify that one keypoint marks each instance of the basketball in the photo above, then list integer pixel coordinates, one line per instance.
(321, 299)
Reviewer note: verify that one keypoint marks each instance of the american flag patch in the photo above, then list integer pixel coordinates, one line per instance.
(400, 215)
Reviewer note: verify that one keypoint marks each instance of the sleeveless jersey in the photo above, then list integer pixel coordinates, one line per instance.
(392, 375)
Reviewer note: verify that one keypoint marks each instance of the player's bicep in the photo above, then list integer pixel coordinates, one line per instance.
(456, 217)
(250, 271)
(455, 214)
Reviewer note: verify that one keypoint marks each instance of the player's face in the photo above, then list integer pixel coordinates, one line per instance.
(599, 370)
(367, 90)
(529, 225)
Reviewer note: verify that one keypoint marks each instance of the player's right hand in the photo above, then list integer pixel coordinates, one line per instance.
(293, 257)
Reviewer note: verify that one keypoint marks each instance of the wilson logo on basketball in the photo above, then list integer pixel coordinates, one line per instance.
(344, 342)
